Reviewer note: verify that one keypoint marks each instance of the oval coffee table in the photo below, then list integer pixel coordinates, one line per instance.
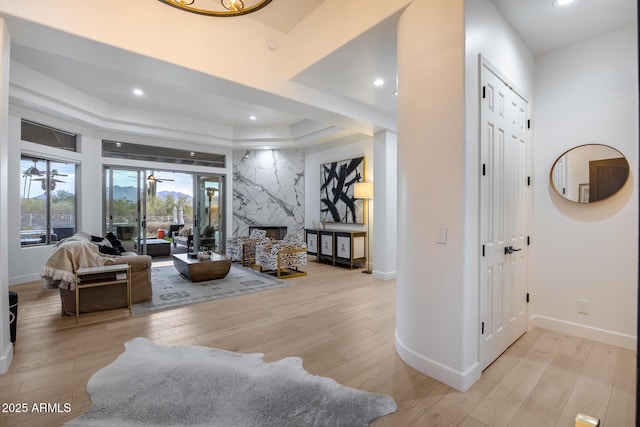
(215, 268)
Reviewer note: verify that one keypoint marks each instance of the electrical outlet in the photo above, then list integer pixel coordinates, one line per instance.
(583, 306)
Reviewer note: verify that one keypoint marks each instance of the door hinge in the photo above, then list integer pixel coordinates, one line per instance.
(527, 297)
(482, 250)
(484, 92)
(484, 169)
(482, 329)
(529, 124)
(528, 240)
(529, 181)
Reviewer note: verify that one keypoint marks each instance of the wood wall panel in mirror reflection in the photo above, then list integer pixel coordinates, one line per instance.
(589, 173)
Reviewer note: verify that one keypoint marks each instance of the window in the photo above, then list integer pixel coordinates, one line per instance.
(34, 132)
(126, 150)
(47, 200)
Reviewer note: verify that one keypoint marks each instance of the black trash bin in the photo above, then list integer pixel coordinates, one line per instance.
(13, 314)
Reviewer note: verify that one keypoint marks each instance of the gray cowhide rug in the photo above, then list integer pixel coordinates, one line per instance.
(153, 385)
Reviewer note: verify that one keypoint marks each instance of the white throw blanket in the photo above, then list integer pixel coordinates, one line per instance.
(71, 254)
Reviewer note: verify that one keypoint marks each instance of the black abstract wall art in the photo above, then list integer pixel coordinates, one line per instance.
(337, 203)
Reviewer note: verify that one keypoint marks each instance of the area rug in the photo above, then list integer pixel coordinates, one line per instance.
(171, 289)
(153, 385)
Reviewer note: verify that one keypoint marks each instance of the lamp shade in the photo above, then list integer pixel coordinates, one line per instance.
(363, 190)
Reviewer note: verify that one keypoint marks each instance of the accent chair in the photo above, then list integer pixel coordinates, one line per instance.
(243, 249)
(282, 257)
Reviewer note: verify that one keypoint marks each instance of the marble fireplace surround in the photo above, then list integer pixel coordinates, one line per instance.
(268, 190)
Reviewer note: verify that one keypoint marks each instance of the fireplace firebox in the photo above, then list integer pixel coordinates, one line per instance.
(274, 232)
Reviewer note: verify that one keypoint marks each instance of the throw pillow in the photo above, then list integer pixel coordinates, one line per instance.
(115, 242)
(101, 241)
(108, 250)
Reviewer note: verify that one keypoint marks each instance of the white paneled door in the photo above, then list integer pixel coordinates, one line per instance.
(504, 201)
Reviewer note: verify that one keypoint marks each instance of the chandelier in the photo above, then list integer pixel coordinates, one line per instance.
(218, 7)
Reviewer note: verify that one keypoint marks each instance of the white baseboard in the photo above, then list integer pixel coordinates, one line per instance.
(24, 279)
(384, 276)
(460, 380)
(617, 339)
(6, 358)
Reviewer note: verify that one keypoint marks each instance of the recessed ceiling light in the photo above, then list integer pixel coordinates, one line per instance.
(138, 92)
(378, 82)
(252, 118)
(562, 2)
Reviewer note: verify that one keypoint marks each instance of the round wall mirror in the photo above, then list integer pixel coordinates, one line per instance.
(589, 173)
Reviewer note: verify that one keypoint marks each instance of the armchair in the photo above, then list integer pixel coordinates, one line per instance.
(184, 237)
(243, 249)
(174, 228)
(282, 257)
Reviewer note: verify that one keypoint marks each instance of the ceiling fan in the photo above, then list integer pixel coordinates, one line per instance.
(151, 178)
(33, 170)
(52, 179)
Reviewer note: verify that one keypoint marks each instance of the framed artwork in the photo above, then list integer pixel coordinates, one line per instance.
(337, 179)
(583, 193)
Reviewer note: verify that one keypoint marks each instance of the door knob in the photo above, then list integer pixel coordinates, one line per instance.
(509, 250)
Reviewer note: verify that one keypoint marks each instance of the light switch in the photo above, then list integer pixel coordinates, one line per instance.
(441, 236)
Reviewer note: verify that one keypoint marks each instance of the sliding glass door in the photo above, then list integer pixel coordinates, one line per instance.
(124, 193)
(144, 204)
(169, 203)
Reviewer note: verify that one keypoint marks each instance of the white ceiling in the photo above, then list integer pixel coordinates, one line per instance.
(346, 73)
(545, 27)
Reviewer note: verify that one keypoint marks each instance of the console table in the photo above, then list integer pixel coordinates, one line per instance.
(336, 246)
(106, 275)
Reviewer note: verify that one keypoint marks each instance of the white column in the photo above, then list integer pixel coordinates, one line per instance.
(6, 347)
(90, 202)
(385, 205)
(436, 308)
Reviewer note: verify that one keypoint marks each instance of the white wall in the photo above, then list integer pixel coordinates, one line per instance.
(438, 154)
(316, 156)
(385, 205)
(432, 298)
(587, 93)
(6, 347)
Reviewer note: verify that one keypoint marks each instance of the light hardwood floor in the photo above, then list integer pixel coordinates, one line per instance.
(341, 323)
